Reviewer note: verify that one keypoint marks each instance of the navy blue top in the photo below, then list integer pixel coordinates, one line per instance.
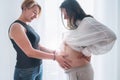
(24, 61)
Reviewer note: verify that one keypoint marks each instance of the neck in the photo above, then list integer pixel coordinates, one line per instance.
(21, 18)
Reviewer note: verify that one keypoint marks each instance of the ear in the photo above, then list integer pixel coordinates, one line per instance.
(24, 8)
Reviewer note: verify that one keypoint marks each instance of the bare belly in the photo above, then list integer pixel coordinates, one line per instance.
(76, 58)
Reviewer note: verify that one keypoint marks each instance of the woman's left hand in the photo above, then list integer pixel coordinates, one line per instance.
(63, 62)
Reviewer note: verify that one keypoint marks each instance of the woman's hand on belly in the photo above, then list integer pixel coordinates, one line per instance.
(62, 60)
(77, 58)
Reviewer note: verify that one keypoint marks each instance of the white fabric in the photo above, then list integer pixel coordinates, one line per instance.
(91, 37)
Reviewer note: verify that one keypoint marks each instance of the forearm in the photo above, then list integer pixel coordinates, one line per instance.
(42, 48)
(40, 54)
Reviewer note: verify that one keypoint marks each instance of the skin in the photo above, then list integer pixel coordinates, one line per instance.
(77, 58)
(18, 34)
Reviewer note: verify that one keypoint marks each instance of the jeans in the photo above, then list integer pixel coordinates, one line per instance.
(29, 74)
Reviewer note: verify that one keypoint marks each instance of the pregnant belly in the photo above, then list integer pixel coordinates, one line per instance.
(76, 58)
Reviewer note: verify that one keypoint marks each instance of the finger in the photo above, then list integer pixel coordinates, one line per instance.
(63, 66)
(67, 65)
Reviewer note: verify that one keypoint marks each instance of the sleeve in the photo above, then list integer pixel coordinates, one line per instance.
(91, 37)
(99, 43)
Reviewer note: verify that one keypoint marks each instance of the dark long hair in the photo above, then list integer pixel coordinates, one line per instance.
(74, 11)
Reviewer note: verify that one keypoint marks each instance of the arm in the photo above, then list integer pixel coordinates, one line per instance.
(42, 48)
(18, 34)
(64, 65)
(91, 37)
(99, 43)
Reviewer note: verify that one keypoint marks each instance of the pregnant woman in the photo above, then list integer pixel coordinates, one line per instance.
(84, 36)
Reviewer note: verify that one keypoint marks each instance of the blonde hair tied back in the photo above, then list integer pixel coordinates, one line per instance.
(29, 4)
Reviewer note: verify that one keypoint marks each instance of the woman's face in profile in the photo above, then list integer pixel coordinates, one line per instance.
(64, 13)
(31, 13)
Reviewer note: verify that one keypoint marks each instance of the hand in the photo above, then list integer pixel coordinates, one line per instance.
(63, 62)
(88, 58)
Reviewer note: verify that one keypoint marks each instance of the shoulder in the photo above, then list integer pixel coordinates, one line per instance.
(16, 26)
(15, 29)
(89, 20)
(86, 22)
(92, 22)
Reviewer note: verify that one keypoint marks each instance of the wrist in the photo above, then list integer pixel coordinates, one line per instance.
(54, 55)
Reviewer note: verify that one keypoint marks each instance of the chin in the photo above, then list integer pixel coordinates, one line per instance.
(29, 20)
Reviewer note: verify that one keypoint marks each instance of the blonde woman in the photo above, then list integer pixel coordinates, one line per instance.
(26, 43)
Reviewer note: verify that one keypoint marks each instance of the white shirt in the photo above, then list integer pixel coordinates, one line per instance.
(91, 37)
